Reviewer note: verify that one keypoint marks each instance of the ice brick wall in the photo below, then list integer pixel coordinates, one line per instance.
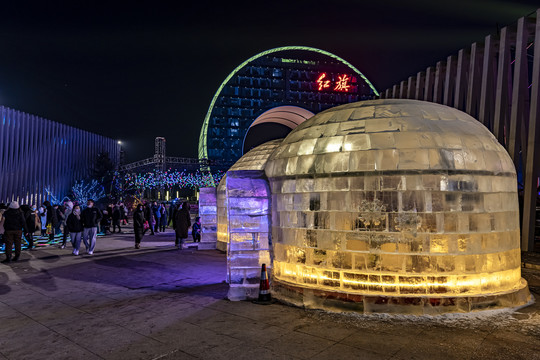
(395, 197)
(248, 197)
(244, 282)
(222, 216)
(208, 214)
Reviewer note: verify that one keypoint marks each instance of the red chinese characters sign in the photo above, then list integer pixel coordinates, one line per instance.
(343, 83)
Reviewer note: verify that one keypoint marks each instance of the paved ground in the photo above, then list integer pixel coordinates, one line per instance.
(161, 303)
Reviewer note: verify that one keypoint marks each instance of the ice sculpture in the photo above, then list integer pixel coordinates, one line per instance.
(207, 212)
(244, 221)
(395, 206)
(222, 215)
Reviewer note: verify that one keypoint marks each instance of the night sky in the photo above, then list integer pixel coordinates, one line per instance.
(140, 70)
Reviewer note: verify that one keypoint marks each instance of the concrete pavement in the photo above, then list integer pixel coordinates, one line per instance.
(161, 303)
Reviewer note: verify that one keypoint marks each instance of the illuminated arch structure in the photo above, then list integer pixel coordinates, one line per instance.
(292, 76)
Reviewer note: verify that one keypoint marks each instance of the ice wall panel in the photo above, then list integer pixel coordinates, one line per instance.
(248, 214)
(209, 218)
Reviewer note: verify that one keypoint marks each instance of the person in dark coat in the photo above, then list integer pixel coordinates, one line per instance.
(156, 211)
(30, 215)
(116, 217)
(75, 226)
(138, 225)
(172, 212)
(3, 208)
(163, 219)
(196, 230)
(60, 217)
(14, 224)
(51, 218)
(91, 216)
(149, 216)
(106, 220)
(182, 222)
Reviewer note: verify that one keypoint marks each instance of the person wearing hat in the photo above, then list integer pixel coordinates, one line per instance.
(14, 224)
(91, 216)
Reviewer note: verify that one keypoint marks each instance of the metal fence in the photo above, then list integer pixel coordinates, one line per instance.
(497, 81)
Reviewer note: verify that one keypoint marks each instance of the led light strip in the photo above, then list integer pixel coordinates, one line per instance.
(475, 280)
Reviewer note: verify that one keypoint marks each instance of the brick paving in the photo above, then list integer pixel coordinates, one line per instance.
(162, 303)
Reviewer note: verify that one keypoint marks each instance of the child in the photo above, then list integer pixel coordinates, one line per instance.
(196, 230)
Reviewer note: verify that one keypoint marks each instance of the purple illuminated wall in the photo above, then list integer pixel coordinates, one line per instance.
(39, 157)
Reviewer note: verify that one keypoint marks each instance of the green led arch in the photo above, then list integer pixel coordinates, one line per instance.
(203, 150)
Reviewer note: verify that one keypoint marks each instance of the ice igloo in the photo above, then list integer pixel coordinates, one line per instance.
(395, 206)
(253, 160)
(243, 211)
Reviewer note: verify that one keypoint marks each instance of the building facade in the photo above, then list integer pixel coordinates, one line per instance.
(291, 76)
(41, 159)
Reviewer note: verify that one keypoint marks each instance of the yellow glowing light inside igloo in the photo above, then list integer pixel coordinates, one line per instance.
(398, 198)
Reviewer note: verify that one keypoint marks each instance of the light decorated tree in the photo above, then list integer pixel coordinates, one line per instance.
(87, 189)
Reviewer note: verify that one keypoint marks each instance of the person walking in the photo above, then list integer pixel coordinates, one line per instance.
(32, 223)
(91, 216)
(52, 220)
(68, 208)
(116, 217)
(172, 212)
(106, 220)
(163, 219)
(14, 224)
(138, 225)
(42, 213)
(124, 213)
(182, 222)
(60, 218)
(196, 230)
(156, 211)
(3, 208)
(149, 216)
(75, 227)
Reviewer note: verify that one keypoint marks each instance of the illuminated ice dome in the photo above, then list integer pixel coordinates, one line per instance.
(253, 160)
(389, 203)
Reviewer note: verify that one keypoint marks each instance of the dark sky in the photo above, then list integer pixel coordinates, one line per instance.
(145, 69)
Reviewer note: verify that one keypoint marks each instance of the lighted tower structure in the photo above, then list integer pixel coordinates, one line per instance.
(159, 153)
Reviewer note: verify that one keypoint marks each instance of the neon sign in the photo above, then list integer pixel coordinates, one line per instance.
(343, 83)
(323, 84)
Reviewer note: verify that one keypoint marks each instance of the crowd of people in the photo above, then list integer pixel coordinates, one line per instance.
(155, 218)
(83, 225)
